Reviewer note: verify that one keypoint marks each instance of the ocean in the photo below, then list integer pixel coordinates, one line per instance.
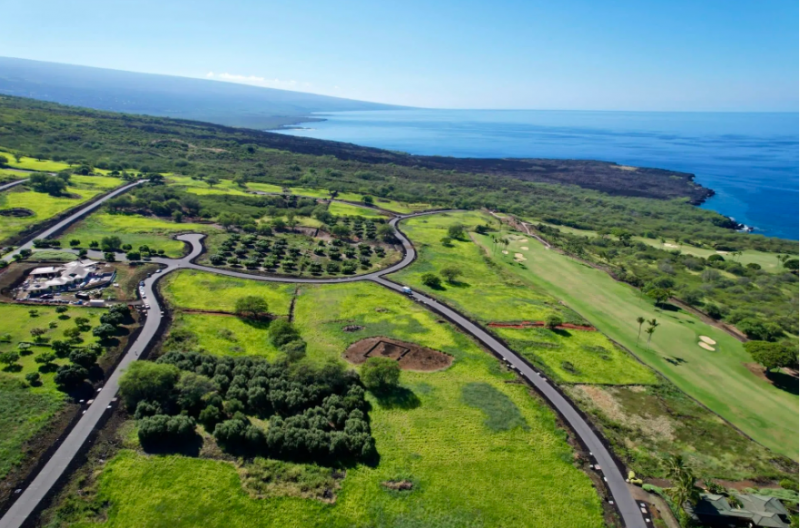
(749, 159)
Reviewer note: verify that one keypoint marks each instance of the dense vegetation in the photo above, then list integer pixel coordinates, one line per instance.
(314, 413)
(117, 142)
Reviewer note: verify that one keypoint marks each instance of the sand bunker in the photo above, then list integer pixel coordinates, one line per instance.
(519, 257)
(408, 355)
(505, 252)
(524, 248)
(706, 339)
(706, 346)
(669, 245)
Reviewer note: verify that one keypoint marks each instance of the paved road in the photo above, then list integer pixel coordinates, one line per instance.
(11, 184)
(74, 217)
(55, 467)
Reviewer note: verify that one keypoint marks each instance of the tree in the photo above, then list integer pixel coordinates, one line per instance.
(683, 490)
(192, 388)
(161, 429)
(659, 295)
(104, 331)
(791, 264)
(759, 330)
(281, 332)
(145, 380)
(294, 350)
(70, 376)
(111, 243)
(47, 184)
(386, 232)
(456, 231)
(82, 358)
(3, 161)
(32, 378)
(9, 358)
(432, 281)
(45, 358)
(251, 306)
(212, 181)
(368, 200)
(772, 355)
(451, 273)
(37, 333)
(653, 324)
(639, 320)
(552, 321)
(380, 374)
(74, 242)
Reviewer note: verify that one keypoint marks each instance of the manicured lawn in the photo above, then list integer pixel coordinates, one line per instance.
(44, 206)
(264, 187)
(198, 290)
(201, 187)
(488, 293)
(343, 209)
(228, 336)
(717, 379)
(135, 230)
(496, 461)
(26, 410)
(575, 356)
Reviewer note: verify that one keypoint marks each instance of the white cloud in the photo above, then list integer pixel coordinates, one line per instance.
(259, 81)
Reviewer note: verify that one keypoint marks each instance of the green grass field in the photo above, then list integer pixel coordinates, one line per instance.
(717, 379)
(344, 209)
(197, 290)
(480, 451)
(135, 230)
(26, 410)
(44, 206)
(226, 335)
(489, 293)
(34, 164)
(200, 187)
(384, 203)
(574, 356)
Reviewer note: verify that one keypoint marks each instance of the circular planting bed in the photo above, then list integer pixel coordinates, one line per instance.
(408, 355)
(17, 212)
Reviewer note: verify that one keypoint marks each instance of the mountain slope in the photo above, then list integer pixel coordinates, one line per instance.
(167, 96)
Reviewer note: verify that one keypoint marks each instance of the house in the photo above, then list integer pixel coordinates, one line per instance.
(77, 275)
(755, 511)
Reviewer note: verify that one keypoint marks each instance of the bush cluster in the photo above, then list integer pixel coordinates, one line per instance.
(315, 413)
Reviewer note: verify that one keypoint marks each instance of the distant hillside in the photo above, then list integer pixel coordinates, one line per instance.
(166, 96)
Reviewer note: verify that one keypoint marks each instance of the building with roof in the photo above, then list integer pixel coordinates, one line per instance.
(72, 276)
(752, 511)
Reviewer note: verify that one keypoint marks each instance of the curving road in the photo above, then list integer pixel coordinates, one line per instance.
(74, 217)
(46, 479)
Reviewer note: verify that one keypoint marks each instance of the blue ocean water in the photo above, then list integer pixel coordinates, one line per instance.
(749, 159)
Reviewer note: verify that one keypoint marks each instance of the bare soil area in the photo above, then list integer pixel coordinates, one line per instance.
(409, 355)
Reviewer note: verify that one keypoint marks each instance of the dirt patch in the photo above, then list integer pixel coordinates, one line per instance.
(706, 339)
(352, 328)
(381, 310)
(17, 212)
(402, 485)
(408, 355)
(702, 344)
(532, 324)
(657, 428)
(758, 370)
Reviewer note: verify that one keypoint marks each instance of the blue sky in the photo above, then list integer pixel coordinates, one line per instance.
(562, 54)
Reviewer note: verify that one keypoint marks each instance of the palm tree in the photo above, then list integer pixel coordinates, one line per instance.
(652, 328)
(639, 320)
(683, 489)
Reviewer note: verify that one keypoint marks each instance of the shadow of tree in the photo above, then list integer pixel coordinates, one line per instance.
(674, 360)
(190, 448)
(398, 398)
(12, 368)
(783, 381)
